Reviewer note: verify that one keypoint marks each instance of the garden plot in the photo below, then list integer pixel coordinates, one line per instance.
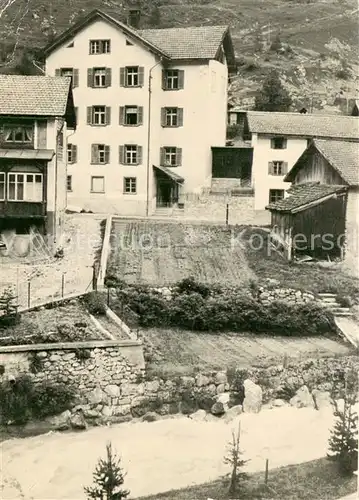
(160, 253)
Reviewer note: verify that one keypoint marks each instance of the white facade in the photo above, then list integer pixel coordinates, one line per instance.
(203, 100)
(266, 177)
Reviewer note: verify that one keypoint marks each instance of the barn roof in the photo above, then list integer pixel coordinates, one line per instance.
(343, 156)
(303, 194)
(304, 125)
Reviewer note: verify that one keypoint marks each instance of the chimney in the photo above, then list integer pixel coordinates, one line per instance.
(133, 19)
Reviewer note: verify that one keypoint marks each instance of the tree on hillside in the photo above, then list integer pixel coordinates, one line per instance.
(155, 17)
(272, 96)
(14, 11)
(108, 478)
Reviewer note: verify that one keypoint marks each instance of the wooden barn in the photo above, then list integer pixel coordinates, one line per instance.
(320, 214)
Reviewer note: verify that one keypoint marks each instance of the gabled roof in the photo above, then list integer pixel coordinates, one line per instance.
(43, 96)
(304, 125)
(303, 194)
(192, 43)
(343, 156)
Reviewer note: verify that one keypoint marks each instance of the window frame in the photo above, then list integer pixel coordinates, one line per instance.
(278, 168)
(132, 185)
(170, 114)
(279, 138)
(133, 76)
(132, 150)
(97, 177)
(3, 184)
(24, 184)
(102, 76)
(12, 131)
(173, 154)
(69, 178)
(271, 192)
(104, 46)
(99, 113)
(172, 78)
(126, 114)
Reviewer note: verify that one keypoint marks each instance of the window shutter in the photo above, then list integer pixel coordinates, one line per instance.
(75, 78)
(141, 76)
(89, 115)
(107, 154)
(122, 115)
(94, 153)
(74, 153)
(139, 155)
(270, 168)
(58, 72)
(90, 77)
(164, 79)
(108, 115)
(108, 77)
(122, 77)
(272, 144)
(162, 156)
(76, 113)
(178, 157)
(285, 167)
(181, 79)
(284, 144)
(163, 117)
(140, 115)
(180, 117)
(121, 154)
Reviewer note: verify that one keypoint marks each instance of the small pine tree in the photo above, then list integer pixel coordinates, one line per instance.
(235, 460)
(273, 96)
(8, 308)
(343, 442)
(108, 477)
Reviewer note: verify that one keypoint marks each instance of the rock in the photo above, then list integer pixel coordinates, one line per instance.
(41, 355)
(211, 390)
(68, 356)
(128, 389)
(278, 403)
(224, 399)
(253, 396)
(202, 380)
(61, 422)
(221, 378)
(107, 411)
(233, 413)
(321, 399)
(218, 408)
(152, 386)
(150, 416)
(91, 414)
(187, 381)
(199, 415)
(112, 390)
(221, 388)
(78, 421)
(96, 396)
(122, 410)
(302, 398)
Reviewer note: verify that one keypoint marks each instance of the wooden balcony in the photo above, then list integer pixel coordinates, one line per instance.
(23, 209)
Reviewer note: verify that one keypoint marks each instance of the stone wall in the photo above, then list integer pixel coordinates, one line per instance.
(351, 257)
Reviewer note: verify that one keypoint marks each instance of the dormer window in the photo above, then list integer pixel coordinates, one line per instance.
(100, 46)
(20, 135)
(278, 143)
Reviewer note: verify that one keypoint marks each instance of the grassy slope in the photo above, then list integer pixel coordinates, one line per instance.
(303, 25)
(315, 480)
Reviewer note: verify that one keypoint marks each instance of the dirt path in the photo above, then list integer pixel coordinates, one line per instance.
(162, 455)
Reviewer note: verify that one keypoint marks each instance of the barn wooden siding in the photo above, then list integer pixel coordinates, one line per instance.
(316, 168)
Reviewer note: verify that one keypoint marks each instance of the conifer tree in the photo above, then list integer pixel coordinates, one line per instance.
(235, 460)
(273, 96)
(108, 478)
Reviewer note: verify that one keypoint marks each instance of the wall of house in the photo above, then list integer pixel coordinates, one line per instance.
(262, 154)
(351, 256)
(204, 124)
(317, 168)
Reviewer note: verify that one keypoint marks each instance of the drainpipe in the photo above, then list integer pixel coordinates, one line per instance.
(56, 162)
(149, 135)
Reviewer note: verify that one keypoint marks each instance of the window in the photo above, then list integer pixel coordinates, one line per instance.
(97, 184)
(99, 77)
(172, 79)
(73, 73)
(100, 154)
(129, 185)
(25, 187)
(276, 195)
(2, 186)
(132, 76)
(131, 115)
(171, 156)
(71, 153)
(100, 46)
(20, 135)
(130, 154)
(172, 117)
(278, 143)
(98, 115)
(67, 72)
(277, 167)
(69, 183)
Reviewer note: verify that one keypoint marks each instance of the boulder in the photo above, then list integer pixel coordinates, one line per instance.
(218, 409)
(221, 378)
(302, 398)
(321, 399)
(202, 380)
(150, 416)
(112, 390)
(61, 422)
(233, 413)
(278, 403)
(96, 396)
(199, 415)
(224, 399)
(253, 396)
(77, 421)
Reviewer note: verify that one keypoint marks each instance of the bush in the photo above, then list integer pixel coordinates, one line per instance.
(233, 131)
(95, 303)
(21, 400)
(190, 285)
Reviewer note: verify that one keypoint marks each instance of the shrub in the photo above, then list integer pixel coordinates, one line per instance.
(95, 303)
(233, 131)
(21, 400)
(190, 285)
(9, 315)
(35, 363)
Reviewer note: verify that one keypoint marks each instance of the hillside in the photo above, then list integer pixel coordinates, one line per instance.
(313, 71)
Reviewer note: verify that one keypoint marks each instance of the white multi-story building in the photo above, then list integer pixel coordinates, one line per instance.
(150, 105)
